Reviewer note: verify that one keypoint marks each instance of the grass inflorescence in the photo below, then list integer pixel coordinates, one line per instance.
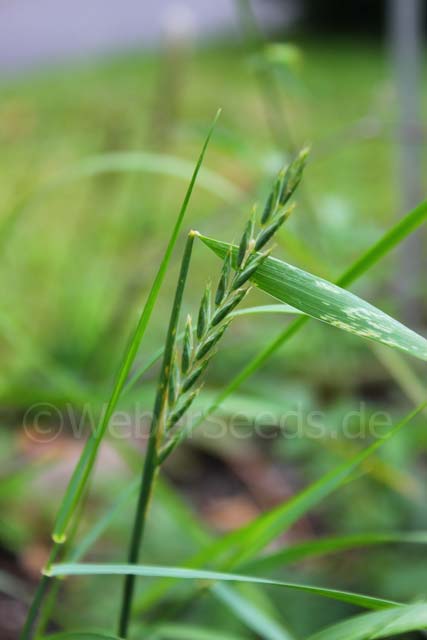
(215, 311)
(181, 370)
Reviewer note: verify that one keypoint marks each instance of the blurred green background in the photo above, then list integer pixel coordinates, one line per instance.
(80, 247)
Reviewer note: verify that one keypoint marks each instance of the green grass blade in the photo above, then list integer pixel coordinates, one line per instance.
(12, 586)
(381, 624)
(243, 544)
(330, 545)
(85, 464)
(257, 534)
(267, 308)
(156, 163)
(81, 635)
(191, 632)
(407, 225)
(252, 616)
(239, 547)
(102, 524)
(328, 303)
(184, 518)
(182, 573)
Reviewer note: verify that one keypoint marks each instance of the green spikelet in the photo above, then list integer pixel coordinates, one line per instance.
(267, 233)
(293, 176)
(235, 299)
(244, 243)
(224, 278)
(187, 346)
(208, 344)
(268, 209)
(244, 276)
(179, 411)
(174, 382)
(194, 376)
(204, 312)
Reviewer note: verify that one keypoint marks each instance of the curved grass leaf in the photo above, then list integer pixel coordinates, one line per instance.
(156, 163)
(244, 543)
(392, 238)
(81, 635)
(191, 632)
(87, 459)
(328, 303)
(239, 546)
(325, 546)
(253, 617)
(102, 523)
(381, 624)
(244, 609)
(182, 573)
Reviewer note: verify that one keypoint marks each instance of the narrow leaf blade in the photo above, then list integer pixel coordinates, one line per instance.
(330, 545)
(87, 459)
(329, 303)
(252, 616)
(381, 624)
(182, 573)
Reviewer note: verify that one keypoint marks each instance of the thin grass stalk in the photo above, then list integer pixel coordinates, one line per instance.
(156, 431)
(47, 605)
(87, 459)
(40, 594)
(81, 473)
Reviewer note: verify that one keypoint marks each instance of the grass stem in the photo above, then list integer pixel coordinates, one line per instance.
(156, 430)
(39, 596)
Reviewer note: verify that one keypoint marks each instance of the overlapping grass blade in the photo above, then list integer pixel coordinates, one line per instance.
(407, 225)
(182, 573)
(156, 163)
(328, 303)
(381, 624)
(102, 524)
(81, 635)
(330, 545)
(258, 620)
(254, 618)
(242, 545)
(182, 631)
(246, 542)
(87, 459)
